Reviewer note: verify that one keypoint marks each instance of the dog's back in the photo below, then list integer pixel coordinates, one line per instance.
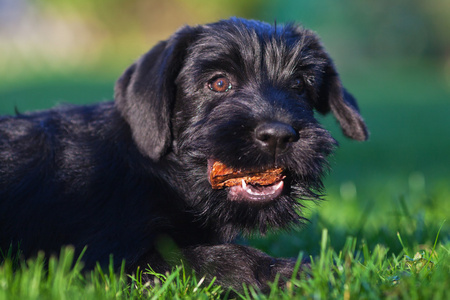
(66, 176)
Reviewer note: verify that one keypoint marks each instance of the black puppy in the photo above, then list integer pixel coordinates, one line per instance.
(132, 177)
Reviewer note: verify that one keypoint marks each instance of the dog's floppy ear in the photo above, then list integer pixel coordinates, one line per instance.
(333, 96)
(145, 93)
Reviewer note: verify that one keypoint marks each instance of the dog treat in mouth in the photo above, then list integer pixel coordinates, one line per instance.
(221, 176)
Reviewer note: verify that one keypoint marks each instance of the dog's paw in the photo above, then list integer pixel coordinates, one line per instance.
(234, 266)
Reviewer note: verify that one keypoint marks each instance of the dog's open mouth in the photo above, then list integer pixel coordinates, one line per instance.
(252, 185)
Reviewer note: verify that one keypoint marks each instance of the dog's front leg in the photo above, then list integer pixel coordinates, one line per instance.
(234, 265)
(231, 265)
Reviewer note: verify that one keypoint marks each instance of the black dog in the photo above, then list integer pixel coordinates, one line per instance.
(131, 177)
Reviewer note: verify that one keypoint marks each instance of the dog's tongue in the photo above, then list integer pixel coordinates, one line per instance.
(221, 176)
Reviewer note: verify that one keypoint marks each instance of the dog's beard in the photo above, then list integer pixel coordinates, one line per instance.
(228, 214)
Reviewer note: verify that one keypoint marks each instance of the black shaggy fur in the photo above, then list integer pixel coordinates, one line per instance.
(130, 177)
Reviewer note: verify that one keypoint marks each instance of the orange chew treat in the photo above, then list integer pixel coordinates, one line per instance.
(222, 176)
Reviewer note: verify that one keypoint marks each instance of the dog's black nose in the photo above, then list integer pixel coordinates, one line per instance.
(276, 136)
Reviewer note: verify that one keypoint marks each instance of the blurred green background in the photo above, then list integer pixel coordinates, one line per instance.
(394, 56)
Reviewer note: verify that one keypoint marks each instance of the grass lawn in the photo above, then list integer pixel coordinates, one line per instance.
(380, 233)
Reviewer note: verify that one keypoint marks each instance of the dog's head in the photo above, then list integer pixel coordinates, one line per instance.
(242, 93)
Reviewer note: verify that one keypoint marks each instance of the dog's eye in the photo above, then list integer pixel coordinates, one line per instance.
(297, 84)
(220, 85)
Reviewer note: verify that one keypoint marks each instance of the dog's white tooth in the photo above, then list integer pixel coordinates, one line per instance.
(248, 189)
(278, 185)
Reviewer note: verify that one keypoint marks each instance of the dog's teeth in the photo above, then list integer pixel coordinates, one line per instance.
(244, 185)
(279, 185)
(247, 188)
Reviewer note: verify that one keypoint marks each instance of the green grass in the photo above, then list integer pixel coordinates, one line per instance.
(353, 272)
(380, 233)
